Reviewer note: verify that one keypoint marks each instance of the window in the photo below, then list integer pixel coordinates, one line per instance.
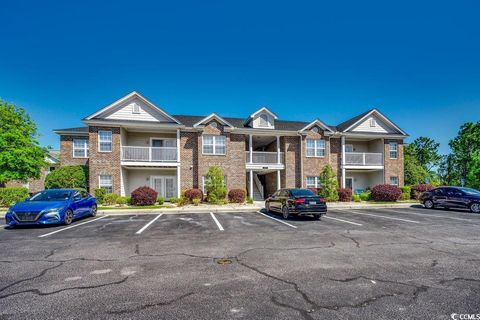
(393, 148)
(349, 148)
(315, 148)
(135, 108)
(394, 180)
(105, 141)
(80, 148)
(204, 183)
(105, 182)
(313, 182)
(373, 122)
(214, 144)
(263, 121)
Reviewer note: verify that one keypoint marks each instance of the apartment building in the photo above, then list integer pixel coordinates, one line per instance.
(132, 143)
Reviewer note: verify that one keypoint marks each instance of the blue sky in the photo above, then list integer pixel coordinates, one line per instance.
(418, 62)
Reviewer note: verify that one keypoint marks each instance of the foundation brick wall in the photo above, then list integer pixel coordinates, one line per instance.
(335, 158)
(104, 163)
(394, 167)
(189, 160)
(291, 176)
(66, 152)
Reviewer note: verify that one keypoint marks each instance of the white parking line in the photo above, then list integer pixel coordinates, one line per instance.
(430, 215)
(354, 223)
(148, 224)
(285, 223)
(216, 221)
(70, 227)
(378, 216)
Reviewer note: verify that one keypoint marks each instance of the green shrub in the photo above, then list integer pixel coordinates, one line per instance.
(356, 198)
(329, 183)
(100, 194)
(215, 185)
(406, 192)
(122, 201)
(249, 200)
(111, 199)
(183, 201)
(129, 200)
(366, 196)
(9, 196)
(161, 200)
(173, 199)
(67, 177)
(196, 201)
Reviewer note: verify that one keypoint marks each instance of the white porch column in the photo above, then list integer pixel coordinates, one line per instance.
(179, 189)
(250, 148)
(251, 183)
(343, 161)
(178, 145)
(279, 185)
(278, 150)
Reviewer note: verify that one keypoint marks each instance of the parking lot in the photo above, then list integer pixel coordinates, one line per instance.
(408, 263)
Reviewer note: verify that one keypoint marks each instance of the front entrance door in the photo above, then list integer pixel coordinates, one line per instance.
(349, 183)
(166, 186)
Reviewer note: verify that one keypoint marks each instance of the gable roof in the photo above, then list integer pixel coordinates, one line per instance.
(77, 130)
(318, 123)
(133, 94)
(349, 124)
(210, 117)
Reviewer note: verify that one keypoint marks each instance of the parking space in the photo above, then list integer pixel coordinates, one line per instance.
(382, 263)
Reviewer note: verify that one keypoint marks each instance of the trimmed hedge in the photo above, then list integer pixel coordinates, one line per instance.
(419, 189)
(9, 196)
(386, 192)
(144, 196)
(344, 195)
(193, 193)
(366, 196)
(237, 196)
(100, 194)
(406, 192)
(67, 177)
(110, 199)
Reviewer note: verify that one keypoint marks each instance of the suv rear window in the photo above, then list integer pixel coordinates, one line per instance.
(301, 193)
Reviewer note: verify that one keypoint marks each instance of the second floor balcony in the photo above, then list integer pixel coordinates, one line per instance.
(363, 159)
(149, 154)
(264, 157)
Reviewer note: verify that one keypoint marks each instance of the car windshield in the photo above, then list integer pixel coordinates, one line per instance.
(52, 195)
(471, 191)
(302, 193)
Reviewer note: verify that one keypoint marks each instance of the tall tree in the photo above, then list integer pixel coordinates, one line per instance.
(21, 157)
(415, 173)
(464, 145)
(425, 151)
(447, 171)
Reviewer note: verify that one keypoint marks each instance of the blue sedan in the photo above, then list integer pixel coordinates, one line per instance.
(52, 206)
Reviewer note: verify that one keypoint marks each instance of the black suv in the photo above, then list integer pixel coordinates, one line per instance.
(296, 202)
(452, 197)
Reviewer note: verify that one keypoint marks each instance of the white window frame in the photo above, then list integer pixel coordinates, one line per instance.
(214, 145)
(393, 150)
(263, 117)
(348, 145)
(373, 122)
(315, 185)
(84, 148)
(135, 108)
(100, 141)
(102, 185)
(204, 190)
(394, 184)
(316, 148)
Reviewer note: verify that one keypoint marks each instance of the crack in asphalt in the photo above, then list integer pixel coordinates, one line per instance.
(434, 263)
(42, 273)
(357, 244)
(458, 279)
(151, 305)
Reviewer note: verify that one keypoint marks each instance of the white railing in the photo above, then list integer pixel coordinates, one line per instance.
(149, 154)
(363, 159)
(263, 157)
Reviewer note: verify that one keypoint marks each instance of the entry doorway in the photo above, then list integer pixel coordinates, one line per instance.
(349, 183)
(166, 186)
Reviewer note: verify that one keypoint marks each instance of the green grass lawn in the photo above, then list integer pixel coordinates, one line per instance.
(135, 207)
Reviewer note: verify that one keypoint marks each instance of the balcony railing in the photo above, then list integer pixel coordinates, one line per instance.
(363, 159)
(263, 157)
(149, 154)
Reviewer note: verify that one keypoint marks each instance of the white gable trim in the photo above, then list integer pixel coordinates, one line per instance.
(133, 94)
(210, 117)
(316, 122)
(263, 109)
(381, 116)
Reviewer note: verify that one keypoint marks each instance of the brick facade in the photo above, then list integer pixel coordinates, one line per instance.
(291, 176)
(66, 151)
(394, 167)
(312, 166)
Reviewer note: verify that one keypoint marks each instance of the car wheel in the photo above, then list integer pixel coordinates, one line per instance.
(429, 204)
(285, 213)
(267, 207)
(475, 207)
(68, 217)
(317, 216)
(94, 210)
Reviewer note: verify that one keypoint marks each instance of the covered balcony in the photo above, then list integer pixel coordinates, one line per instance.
(364, 158)
(149, 154)
(264, 157)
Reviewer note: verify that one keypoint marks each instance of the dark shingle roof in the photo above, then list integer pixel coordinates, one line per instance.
(77, 129)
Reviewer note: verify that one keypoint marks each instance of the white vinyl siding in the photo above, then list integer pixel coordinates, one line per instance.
(313, 182)
(315, 148)
(105, 182)
(393, 150)
(379, 127)
(80, 148)
(104, 141)
(126, 111)
(213, 144)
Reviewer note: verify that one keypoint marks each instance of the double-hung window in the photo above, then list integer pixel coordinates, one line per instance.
(213, 144)
(80, 148)
(394, 180)
(393, 148)
(105, 182)
(104, 141)
(313, 182)
(315, 148)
